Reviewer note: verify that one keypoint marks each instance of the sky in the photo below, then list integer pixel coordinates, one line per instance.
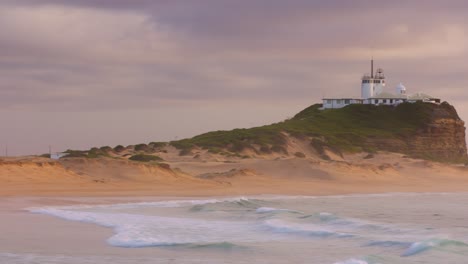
(75, 74)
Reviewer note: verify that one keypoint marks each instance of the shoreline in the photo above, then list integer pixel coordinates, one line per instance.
(44, 236)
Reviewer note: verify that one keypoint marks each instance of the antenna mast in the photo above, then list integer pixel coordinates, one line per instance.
(372, 67)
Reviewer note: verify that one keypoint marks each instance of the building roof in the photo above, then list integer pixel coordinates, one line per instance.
(345, 98)
(420, 96)
(385, 95)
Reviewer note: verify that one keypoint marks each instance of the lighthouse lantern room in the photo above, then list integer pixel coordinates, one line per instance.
(372, 85)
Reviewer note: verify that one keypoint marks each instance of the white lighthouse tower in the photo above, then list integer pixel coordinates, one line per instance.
(374, 84)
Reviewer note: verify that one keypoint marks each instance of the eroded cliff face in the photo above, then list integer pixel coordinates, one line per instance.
(441, 138)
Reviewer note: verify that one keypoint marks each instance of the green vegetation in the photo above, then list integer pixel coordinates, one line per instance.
(92, 153)
(299, 155)
(141, 147)
(145, 158)
(119, 148)
(97, 152)
(164, 166)
(157, 145)
(343, 129)
(235, 140)
(76, 154)
(106, 149)
(355, 128)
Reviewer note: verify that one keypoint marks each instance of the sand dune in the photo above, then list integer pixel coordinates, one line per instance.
(208, 175)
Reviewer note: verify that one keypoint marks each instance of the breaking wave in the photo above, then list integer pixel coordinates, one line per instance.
(230, 224)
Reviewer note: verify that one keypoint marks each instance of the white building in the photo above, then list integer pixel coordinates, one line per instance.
(58, 155)
(373, 92)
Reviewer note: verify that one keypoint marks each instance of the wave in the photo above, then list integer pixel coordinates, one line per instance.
(414, 248)
(352, 224)
(262, 210)
(389, 243)
(156, 204)
(265, 197)
(219, 246)
(281, 226)
(131, 230)
(236, 204)
(418, 247)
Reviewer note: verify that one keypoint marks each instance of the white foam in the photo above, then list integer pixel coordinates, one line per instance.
(140, 227)
(352, 261)
(29, 258)
(418, 247)
(281, 226)
(262, 210)
(133, 230)
(158, 204)
(421, 246)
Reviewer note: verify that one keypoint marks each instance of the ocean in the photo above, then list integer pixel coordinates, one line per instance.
(346, 229)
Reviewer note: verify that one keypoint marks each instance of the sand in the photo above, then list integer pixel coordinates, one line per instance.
(35, 182)
(385, 172)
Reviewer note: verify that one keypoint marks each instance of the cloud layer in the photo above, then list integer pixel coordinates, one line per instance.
(114, 57)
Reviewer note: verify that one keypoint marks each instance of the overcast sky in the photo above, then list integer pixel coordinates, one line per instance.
(82, 73)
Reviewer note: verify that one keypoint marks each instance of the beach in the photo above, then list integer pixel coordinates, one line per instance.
(277, 210)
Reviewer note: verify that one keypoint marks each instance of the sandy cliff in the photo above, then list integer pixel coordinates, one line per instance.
(440, 137)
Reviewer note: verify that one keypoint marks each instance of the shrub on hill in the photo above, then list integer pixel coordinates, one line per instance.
(164, 166)
(157, 145)
(279, 149)
(299, 155)
(145, 158)
(106, 149)
(142, 147)
(119, 148)
(97, 152)
(75, 154)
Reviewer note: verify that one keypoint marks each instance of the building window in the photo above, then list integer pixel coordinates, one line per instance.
(346, 101)
(385, 101)
(338, 101)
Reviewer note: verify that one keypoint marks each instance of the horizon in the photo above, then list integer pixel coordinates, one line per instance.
(91, 73)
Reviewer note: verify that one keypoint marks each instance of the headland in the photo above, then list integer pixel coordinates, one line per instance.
(411, 147)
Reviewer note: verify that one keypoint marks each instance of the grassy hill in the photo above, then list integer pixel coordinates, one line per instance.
(354, 128)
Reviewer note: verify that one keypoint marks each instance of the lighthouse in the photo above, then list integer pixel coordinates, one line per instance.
(372, 84)
(372, 92)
